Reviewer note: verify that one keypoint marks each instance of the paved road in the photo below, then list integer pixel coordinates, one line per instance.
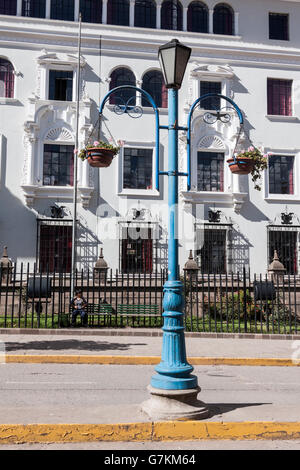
(144, 345)
(51, 393)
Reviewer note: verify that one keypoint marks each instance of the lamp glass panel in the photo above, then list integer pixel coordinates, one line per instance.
(182, 58)
(167, 58)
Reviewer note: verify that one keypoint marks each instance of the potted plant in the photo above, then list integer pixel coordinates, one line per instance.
(99, 154)
(251, 161)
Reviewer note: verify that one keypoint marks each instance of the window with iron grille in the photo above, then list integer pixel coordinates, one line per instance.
(7, 79)
(212, 254)
(197, 17)
(281, 174)
(285, 243)
(210, 87)
(58, 165)
(137, 168)
(119, 77)
(34, 8)
(210, 171)
(145, 14)
(279, 26)
(153, 83)
(279, 97)
(54, 246)
(91, 11)
(62, 10)
(223, 19)
(171, 15)
(136, 247)
(118, 12)
(60, 85)
(8, 7)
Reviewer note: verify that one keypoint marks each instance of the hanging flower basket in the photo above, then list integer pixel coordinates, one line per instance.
(250, 161)
(99, 155)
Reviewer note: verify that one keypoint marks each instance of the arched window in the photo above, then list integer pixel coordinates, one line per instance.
(171, 15)
(122, 76)
(62, 10)
(145, 14)
(7, 79)
(197, 17)
(154, 84)
(34, 8)
(223, 19)
(8, 7)
(118, 12)
(91, 11)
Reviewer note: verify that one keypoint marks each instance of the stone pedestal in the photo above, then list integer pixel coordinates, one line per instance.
(167, 405)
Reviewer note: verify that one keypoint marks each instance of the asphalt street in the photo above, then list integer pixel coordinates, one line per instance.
(52, 393)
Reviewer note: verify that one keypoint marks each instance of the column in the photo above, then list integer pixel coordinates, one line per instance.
(19, 8)
(104, 11)
(131, 13)
(236, 23)
(48, 9)
(76, 12)
(184, 23)
(158, 12)
(211, 22)
(139, 84)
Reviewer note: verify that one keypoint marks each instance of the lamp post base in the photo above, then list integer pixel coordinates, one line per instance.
(175, 405)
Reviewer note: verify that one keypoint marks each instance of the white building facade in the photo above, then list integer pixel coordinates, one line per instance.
(248, 51)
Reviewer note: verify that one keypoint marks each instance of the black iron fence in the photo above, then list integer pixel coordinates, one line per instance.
(235, 303)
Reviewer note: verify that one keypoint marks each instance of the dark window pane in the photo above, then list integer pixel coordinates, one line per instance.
(197, 17)
(281, 178)
(171, 15)
(136, 250)
(62, 10)
(60, 85)
(210, 171)
(137, 171)
(8, 7)
(91, 11)
(285, 243)
(213, 252)
(223, 19)
(279, 97)
(119, 77)
(145, 13)
(34, 8)
(7, 79)
(279, 26)
(154, 84)
(58, 165)
(118, 12)
(210, 87)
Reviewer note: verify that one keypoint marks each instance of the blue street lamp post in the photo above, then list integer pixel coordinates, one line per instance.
(173, 389)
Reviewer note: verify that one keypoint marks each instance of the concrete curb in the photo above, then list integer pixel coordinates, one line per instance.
(139, 332)
(145, 360)
(148, 431)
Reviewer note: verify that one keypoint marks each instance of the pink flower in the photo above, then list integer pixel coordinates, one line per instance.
(75, 151)
(120, 143)
(251, 149)
(266, 155)
(270, 153)
(96, 143)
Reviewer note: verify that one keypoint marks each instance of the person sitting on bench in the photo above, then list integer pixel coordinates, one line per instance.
(79, 303)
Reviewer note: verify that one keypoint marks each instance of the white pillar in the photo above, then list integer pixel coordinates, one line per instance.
(19, 8)
(184, 23)
(104, 11)
(158, 13)
(76, 12)
(211, 22)
(48, 9)
(131, 13)
(236, 24)
(139, 84)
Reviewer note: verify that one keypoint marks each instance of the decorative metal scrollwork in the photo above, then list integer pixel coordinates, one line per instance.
(211, 117)
(129, 107)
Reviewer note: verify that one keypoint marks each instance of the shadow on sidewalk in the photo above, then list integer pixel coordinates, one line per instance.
(222, 408)
(59, 345)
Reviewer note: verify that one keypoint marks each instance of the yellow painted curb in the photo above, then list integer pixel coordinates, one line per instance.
(145, 360)
(139, 432)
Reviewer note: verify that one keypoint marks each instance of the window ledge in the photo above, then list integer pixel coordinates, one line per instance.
(279, 117)
(235, 200)
(283, 197)
(32, 192)
(8, 100)
(139, 192)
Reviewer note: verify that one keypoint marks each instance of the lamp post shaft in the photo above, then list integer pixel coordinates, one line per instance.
(173, 372)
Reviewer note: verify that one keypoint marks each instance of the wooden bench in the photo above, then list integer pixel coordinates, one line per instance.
(96, 310)
(137, 311)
